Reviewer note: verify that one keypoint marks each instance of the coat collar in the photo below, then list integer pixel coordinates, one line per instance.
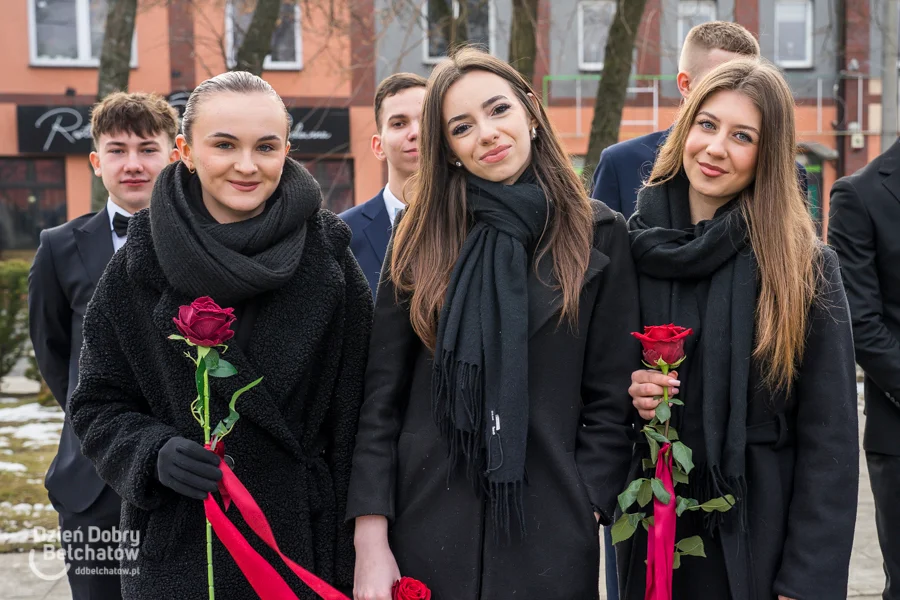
(544, 299)
(378, 230)
(94, 243)
(284, 360)
(889, 164)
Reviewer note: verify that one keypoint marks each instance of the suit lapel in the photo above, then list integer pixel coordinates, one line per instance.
(378, 231)
(889, 168)
(94, 244)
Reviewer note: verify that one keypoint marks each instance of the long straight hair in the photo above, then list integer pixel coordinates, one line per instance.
(428, 240)
(782, 233)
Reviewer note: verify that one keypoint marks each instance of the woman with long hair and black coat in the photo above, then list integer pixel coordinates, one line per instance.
(239, 221)
(724, 244)
(495, 430)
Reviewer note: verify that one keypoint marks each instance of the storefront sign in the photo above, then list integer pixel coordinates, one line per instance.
(320, 130)
(54, 129)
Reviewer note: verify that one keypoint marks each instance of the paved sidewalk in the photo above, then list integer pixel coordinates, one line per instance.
(19, 582)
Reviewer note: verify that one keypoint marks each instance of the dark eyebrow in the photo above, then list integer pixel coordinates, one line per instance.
(484, 104)
(716, 119)
(397, 116)
(228, 136)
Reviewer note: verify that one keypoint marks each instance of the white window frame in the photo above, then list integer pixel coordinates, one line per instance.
(83, 36)
(796, 64)
(695, 6)
(268, 63)
(492, 30)
(582, 64)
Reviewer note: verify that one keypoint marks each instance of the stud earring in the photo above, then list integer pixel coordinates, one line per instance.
(534, 133)
(458, 164)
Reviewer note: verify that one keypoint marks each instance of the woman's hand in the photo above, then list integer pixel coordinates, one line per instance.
(376, 568)
(647, 388)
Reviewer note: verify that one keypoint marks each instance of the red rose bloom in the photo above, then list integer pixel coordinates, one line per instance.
(408, 588)
(663, 341)
(205, 323)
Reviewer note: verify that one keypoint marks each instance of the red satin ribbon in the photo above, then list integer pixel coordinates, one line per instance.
(661, 538)
(264, 579)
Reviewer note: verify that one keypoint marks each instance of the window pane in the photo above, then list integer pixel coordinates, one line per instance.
(597, 21)
(55, 28)
(440, 17)
(32, 199)
(691, 14)
(284, 39)
(792, 30)
(242, 15)
(478, 22)
(98, 26)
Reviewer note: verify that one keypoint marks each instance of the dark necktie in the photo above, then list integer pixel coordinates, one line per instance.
(120, 224)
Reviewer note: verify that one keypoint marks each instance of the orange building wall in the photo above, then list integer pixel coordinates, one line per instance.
(368, 173)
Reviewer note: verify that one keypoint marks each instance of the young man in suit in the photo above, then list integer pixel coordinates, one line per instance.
(134, 139)
(865, 210)
(623, 167)
(398, 107)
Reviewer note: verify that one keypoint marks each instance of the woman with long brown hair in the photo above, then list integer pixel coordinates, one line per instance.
(495, 430)
(724, 244)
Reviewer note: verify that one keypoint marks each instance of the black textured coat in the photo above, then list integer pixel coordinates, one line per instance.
(578, 450)
(292, 446)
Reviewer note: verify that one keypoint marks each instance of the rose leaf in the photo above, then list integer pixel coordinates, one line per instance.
(212, 360)
(224, 369)
(645, 493)
(683, 456)
(623, 529)
(684, 504)
(654, 449)
(676, 560)
(721, 504)
(663, 412)
(678, 476)
(692, 546)
(659, 491)
(627, 498)
(676, 402)
(647, 463)
(655, 435)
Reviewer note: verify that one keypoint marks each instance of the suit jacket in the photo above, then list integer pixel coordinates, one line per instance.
(624, 167)
(66, 269)
(371, 228)
(865, 210)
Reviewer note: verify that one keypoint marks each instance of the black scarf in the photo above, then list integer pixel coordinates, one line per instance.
(235, 261)
(480, 377)
(668, 257)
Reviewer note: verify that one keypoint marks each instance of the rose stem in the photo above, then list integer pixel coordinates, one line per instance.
(665, 371)
(209, 564)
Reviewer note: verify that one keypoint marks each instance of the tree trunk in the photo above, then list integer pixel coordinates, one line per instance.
(115, 67)
(257, 42)
(522, 38)
(613, 85)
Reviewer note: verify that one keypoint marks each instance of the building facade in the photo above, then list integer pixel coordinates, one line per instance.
(50, 82)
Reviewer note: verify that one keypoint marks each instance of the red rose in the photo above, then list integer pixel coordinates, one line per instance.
(663, 341)
(408, 588)
(205, 323)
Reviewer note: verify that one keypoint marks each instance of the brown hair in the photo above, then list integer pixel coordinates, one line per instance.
(428, 240)
(393, 85)
(144, 115)
(782, 233)
(236, 82)
(723, 35)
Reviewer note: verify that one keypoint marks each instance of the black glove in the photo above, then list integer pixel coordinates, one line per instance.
(188, 468)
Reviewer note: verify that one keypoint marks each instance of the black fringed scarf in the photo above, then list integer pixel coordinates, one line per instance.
(670, 258)
(480, 377)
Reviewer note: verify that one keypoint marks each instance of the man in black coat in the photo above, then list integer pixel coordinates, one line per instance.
(398, 106)
(865, 211)
(134, 139)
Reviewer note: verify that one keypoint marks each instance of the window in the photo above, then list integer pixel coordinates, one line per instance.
(452, 21)
(68, 33)
(793, 34)
(691, 14)
(32, 198)
(287, 45)
(594, 21)
(335, 176)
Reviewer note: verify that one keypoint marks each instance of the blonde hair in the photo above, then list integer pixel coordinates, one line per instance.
(782, 233)
(428, 240)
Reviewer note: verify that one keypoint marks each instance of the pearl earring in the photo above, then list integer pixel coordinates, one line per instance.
(458, 164)
(534, 133)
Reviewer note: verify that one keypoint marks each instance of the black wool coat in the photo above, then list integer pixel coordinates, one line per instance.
(292, 446)
(578, 449)
(802, 472)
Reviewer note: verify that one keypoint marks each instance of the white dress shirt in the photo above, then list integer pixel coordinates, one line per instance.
(112, 208)
(392, 204)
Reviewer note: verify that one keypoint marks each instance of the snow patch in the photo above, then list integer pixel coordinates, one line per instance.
(30, 412)
(12, 467)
